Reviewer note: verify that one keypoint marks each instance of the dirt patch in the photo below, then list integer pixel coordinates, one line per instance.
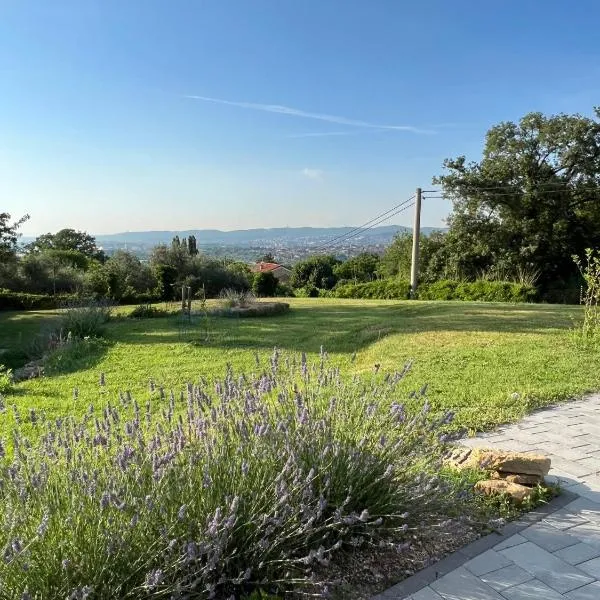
(368, 571)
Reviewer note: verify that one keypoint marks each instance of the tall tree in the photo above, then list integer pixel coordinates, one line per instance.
(9, 235)
(531, 202)
(192, 245)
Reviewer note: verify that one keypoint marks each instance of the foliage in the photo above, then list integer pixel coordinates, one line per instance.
(264, 284)
(284, 290)
(531, 202)
(147, 311)
(268, 257)
(6, 380)
(166, 276)
(360, 268)
(235, 298)
(317, 271)
(257, 309)
(127, 277)
(588, 332)
(68, 240)
(383, 289)
(397, 258)
(22, 301)
(86, 320)
(478, 291)
(308, 291)
(249, 484)
(9, 236)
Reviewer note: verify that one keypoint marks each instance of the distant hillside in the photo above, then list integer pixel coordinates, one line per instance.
(287, 235)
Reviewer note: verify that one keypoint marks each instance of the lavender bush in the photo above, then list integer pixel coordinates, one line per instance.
(216, 490)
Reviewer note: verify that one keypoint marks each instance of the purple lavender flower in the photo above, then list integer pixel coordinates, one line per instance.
(154, 578)
(102, 380)
(181, 512)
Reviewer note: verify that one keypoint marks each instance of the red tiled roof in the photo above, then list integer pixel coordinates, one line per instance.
(262, 267)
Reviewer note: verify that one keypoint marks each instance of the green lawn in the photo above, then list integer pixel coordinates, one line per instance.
(489, 362)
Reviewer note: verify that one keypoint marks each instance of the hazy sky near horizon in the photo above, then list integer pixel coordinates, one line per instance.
(146, 114)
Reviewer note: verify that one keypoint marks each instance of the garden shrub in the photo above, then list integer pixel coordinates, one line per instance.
(86, 320)
(6, 379)
(258, 309)
(264, 284)
(10, 300)
(147, 311)
(250, 483)
(382, 289)
(481, 290)
(308, 291)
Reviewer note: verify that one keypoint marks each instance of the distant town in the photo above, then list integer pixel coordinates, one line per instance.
(289, 244)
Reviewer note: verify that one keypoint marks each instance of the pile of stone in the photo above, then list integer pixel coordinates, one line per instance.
(512, 473)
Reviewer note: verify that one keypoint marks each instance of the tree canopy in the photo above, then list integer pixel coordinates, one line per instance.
(9, 235)
(68, 240)
(530, 203)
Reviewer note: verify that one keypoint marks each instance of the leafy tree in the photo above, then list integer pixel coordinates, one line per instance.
(127, 276)
(317, 271)
(360, 268)
(530, 203)
(9, 236)
(397, 258)
(68, 240)
(166, 276)
(264, 284)
(268, 257)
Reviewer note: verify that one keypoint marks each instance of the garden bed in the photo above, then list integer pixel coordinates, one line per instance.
(258, 309)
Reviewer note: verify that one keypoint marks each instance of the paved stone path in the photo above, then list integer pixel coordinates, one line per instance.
(559, 556)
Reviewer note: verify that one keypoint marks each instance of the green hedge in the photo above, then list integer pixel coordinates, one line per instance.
(22, 301)
(485, 291)
(382, 289)
(393, 289)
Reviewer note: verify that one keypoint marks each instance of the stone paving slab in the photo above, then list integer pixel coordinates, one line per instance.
(552, 553)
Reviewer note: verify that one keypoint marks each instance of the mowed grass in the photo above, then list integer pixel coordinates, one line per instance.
(491, 363)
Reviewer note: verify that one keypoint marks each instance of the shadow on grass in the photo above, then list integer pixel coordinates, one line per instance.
(347, 327)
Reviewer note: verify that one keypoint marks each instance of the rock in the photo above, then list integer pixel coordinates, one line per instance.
(493, 487)
(530, 480)
(499, 460)
(31, 370)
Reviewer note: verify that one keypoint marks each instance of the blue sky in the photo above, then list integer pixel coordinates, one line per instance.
(153, 114)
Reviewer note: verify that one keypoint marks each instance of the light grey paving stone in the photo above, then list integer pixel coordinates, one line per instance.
(513, 540)
(570, 467)
(531, 590)
(564, 480)
(587, 592)
(460, 584)
(591, 567)
(590, 462)
(586, 508)
(548, 537)
(564, 519)
(558, 574)
(506, 577)
(588, 533)
(583, 489)
(487, 562)
(593, 481)
(426, 594)
(578, 553)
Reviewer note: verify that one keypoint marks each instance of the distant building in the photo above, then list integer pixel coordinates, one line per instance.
(279, 271)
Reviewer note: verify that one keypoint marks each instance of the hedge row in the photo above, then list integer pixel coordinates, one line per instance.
(22, 301)
(391, 289)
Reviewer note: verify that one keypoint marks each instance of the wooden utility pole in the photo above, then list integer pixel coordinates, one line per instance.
(414, 265)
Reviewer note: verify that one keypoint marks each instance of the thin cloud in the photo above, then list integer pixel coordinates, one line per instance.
(314, 174)
(295, 112)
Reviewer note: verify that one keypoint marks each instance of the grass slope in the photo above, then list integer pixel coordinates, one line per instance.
(489, 362)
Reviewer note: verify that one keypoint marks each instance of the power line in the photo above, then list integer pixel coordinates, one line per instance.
(382, 220)
(349, 233)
